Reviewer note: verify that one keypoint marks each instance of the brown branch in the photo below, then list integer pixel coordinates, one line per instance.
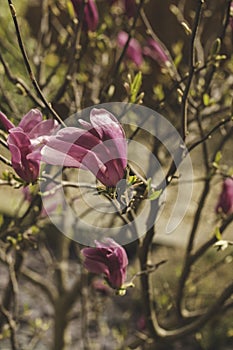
(5, 160)
(38, 280)
(192, 65)
(189, 259)
(115, 71)
(11, 288)
(12, 327)
(72, 64)
(20, 83)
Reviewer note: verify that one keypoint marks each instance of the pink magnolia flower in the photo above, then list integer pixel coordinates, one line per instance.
(155, 51)
(24, 142)
(90, 15)
(225, 201)
(134, 50)
(108, 258)
(100, 147)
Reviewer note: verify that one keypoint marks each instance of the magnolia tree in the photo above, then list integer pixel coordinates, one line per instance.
(116, 174)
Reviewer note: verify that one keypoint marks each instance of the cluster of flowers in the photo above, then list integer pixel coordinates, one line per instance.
(100, 146)
(135, 51)
(89, 16)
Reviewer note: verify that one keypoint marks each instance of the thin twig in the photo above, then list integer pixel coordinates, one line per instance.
(5, 160)
(20, 83)
(38, 280)
(116, 69)
(76, 47)
(208, 135)
(184, 130)
(12, 327)
(28, 65)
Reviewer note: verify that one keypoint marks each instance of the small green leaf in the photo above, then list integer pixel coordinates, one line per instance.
(206, 100)
(215, 49)
(217, 234)
(217, 159)
(149, 184)
(135, 86)
(154, 195)
(132, 179)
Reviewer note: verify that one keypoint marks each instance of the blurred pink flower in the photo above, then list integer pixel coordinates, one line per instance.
(25, 141)
(141, 323)
(100, 147)
(90, 15)
(155, 51)
(108, 258)
(231, 16)
(225, 201)
(134, 50)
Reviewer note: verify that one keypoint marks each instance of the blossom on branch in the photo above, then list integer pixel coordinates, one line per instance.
(225, 201)
(109, 259)
(100, 147)
(88, 13)
(154, 50)
(133, 51)
(25, 141)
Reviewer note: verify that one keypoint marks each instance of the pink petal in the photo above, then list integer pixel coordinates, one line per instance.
(6, 122)
(30, 120)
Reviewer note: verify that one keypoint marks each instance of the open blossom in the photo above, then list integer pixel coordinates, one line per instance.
(225, 201)
(24, 142)
(90, 14)
(154, 50)
(109, 259)
(99, 147)
(134, 50)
